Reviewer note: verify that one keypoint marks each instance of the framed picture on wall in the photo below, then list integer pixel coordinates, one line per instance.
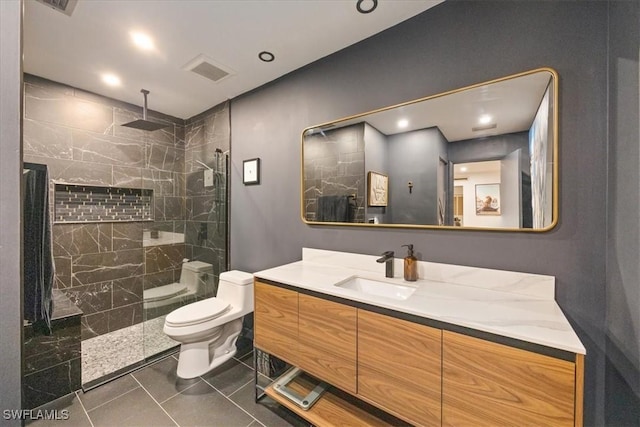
(378, 185)
(251, 171)
(488, 199)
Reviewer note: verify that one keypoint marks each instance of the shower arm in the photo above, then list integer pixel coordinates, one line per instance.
(144, 108)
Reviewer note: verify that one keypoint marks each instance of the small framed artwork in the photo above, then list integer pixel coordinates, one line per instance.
(251, 171)
(378, 185)
(488, 199)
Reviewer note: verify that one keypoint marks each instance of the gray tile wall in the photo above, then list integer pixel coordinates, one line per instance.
(334, 166)
(102, 267)
(52, 358)
(207, 207)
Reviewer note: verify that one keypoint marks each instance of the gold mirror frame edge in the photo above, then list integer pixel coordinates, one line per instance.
(556, 169)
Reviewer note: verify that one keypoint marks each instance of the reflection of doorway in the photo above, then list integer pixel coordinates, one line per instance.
(458, 206)
(441, 190)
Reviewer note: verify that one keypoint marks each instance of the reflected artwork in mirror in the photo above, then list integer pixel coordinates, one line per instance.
(441, 158)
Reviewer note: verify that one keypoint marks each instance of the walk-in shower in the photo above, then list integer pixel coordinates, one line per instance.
(199, 236)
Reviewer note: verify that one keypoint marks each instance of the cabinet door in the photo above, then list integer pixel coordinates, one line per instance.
(276, 321)
(399, 367)
(327, 341)
(489, 384)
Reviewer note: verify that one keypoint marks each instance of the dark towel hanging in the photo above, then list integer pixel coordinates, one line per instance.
(333, 209)
(37, 253)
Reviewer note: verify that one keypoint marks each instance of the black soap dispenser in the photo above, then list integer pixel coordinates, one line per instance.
(410, 265)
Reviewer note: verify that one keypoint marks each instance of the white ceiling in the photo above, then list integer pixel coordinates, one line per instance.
(77, 49)
(511, 105)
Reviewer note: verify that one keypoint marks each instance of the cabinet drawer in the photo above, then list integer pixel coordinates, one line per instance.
(486, 384)
(327, 341)
(276, 321)
(399, 367)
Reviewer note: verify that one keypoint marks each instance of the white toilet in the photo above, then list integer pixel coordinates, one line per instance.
(195, 277)
(208, 329)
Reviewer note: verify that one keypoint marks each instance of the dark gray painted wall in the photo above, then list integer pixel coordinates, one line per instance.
(623, 246)
(376, 158)
(491, 148)
(452, 45)
(10, 217)
(414, 156)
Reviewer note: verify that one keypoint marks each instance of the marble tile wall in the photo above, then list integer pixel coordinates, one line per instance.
(101, 267)
(52, 360)
(206, 225)
(334, 166)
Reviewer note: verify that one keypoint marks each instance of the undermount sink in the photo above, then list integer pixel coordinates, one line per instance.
(378, 288)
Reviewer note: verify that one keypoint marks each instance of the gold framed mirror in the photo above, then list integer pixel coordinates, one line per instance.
(481, 157)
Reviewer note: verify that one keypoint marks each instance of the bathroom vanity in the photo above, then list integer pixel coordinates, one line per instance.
(461, 346)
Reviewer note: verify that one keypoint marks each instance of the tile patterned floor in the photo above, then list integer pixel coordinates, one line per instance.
(153, 396)
(116, 350)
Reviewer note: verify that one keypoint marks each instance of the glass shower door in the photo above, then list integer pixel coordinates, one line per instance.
(172, 243)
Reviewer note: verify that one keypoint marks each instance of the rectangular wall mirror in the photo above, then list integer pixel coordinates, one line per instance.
(481, 157)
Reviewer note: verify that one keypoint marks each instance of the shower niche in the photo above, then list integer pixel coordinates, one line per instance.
(86, 203)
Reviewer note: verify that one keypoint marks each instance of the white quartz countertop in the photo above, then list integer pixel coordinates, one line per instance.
(509, 304)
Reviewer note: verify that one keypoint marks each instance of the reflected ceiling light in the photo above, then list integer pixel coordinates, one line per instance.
(403, 123)
(142, 40)
(111, 79)
(266, 56)
(463, 169)
(484, 119)
(366, 6)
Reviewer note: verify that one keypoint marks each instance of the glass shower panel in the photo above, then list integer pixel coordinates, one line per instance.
(185, 252)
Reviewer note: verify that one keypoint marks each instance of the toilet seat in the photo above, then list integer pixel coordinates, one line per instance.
(197, 312)
(164, 292)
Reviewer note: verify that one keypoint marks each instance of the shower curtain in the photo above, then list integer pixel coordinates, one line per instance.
(37, 254)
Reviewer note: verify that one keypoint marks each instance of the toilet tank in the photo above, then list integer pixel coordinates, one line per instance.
(236, 287)
(197, 275)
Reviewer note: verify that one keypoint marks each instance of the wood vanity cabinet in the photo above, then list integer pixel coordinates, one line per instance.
(327, 341)
(421, 374)
(317, 335)
(489, 384)
(276, 321)
(399, 367)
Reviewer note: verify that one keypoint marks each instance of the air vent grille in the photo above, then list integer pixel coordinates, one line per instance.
(485, 127)
(64, 6)
(210, 71)
(207, 68)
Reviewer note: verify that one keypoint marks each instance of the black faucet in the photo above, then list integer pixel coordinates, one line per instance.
(387, 258)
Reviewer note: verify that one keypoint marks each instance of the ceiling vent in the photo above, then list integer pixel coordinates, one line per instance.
(485, 127)
(64, 6)
(207, 68)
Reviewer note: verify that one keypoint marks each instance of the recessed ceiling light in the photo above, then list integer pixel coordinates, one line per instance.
(266, 56)
(366, 6)
(403, 123)
(111, 79)
(142, 40)
(484, 119)
(463, 169)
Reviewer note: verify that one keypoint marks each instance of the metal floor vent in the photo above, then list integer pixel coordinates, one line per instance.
(207, 68)
(64, 6)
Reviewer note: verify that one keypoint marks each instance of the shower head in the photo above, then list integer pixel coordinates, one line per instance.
(143, 123)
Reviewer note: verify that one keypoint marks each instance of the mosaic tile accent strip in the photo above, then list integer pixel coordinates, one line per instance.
(86, 203)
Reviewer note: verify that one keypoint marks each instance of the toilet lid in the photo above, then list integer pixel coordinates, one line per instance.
(197, 312)
(164, 292)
